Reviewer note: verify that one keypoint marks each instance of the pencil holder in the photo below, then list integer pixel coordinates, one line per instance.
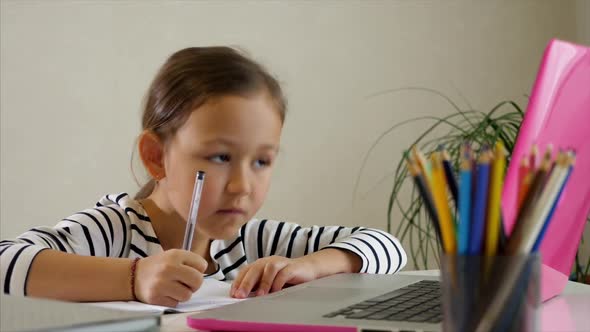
(496, 293)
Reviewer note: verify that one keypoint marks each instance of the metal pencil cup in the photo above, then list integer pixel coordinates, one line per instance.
(497, 293)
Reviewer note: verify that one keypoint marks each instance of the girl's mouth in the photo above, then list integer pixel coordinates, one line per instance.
(231, 211)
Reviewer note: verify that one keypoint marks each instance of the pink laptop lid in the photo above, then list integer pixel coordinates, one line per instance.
(558, 113)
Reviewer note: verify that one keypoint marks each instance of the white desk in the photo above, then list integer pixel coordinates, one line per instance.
(569, 312)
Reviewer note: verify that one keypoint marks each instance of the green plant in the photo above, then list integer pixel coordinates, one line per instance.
(501, 122)
(581, 273)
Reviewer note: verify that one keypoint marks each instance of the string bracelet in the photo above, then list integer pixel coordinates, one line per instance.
(133, 268)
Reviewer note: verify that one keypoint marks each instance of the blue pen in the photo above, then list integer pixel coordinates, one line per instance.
(464, 199)
(551, 212)
(480, 202)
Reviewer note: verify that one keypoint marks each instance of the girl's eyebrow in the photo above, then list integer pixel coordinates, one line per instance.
(231, 143)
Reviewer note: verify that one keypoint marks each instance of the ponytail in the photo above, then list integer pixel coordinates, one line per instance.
(146, 190)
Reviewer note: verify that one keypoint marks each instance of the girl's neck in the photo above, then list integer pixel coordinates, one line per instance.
(170, 227)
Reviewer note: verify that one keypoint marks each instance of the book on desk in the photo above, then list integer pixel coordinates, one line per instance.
(20, 314)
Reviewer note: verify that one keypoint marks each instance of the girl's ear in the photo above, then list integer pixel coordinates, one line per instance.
(151, 152)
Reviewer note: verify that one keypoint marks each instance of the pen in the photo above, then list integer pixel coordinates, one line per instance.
(192, 216)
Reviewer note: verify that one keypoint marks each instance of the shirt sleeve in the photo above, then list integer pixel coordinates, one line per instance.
(380, 252)
(101, 231)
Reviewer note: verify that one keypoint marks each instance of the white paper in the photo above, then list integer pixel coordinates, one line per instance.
(212, 294)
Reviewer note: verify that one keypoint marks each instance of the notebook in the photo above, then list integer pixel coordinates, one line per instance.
(21, 314)
(212, 294)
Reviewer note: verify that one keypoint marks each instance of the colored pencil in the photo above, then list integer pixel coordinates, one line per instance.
(449, 175)
(464, 218)
(442, 204)
(524, 188)
(523, 171)
(544, 205)
(495, 193)
(533, 157)
(570, 165)
(419, 158)
(480, 201)
(529, 204)
(424, 192)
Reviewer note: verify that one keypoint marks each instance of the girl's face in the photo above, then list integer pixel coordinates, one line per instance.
(235, 140)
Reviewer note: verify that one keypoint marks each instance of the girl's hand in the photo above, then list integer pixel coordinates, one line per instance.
(169, 278)
(271, 273)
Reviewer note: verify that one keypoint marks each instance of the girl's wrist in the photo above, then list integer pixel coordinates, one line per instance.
(353, 262)
(334, 260)
(133, 278)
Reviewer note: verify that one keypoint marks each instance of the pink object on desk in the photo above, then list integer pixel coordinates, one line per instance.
(238, 326)
(558, 113)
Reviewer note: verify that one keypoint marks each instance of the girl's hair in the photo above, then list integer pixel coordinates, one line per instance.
(195, 75)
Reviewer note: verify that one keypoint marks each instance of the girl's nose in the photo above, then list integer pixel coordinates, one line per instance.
(239, 182)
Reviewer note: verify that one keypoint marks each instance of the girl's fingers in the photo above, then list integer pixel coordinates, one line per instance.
(178, 291)
(189, 277)
(268, 276)
(285, 275)
(250, 280)
(166, 301)
(193, 260)
(238, 280)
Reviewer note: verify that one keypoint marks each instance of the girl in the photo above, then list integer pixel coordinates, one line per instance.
(209, 109)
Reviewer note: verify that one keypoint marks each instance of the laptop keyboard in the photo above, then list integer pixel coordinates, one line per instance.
(418, 302)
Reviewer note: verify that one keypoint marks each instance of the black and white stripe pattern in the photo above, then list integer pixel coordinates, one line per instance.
(118, 226)
(379, 251)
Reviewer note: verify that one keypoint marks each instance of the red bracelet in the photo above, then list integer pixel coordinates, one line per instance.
(133, 268)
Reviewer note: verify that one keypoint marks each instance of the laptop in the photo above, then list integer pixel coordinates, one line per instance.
(557, 113)
(338, 303)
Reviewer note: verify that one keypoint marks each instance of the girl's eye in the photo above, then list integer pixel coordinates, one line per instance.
(220, 158)
(260, 163)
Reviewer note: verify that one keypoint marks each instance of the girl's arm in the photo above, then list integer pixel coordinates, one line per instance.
(71, 277)
(281, 253)
(85, 257)
(163, 279)
(334, 261)
(102, 232)
(379, 251)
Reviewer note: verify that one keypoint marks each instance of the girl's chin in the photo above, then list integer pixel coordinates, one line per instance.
(227, 233)
(228, 219)
(225, 230)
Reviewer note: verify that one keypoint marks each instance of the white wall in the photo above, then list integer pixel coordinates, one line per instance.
(73, 74)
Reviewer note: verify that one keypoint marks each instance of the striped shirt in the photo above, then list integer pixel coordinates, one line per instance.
(118, 226)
